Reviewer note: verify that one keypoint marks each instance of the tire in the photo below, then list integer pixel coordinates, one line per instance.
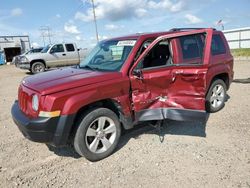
(37, 67)
(216, 96)
(97, 134)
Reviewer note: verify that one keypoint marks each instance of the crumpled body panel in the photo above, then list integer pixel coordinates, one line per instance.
(172, 92)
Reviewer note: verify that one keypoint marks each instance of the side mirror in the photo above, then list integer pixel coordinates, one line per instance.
(138, 74)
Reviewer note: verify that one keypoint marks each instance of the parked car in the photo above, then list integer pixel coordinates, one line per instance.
(33, 50)
(56, 55)
(181, 75)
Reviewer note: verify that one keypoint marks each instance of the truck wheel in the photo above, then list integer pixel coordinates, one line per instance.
(37, 67)
(98, 134)
(215, 99)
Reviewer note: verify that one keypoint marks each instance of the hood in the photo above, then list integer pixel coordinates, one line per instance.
(66, 78)
(32, 56)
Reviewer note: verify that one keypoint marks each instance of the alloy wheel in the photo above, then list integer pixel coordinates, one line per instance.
(100, 134)
(217, 96)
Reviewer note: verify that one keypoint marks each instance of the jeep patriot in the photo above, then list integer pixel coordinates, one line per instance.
(182, 75)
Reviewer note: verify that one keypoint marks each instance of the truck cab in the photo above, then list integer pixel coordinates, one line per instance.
(182, 74)
(55, 55)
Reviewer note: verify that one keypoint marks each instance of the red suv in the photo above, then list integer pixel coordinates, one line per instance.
(181, 75)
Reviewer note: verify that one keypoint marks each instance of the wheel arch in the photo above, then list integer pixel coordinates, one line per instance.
(111, 104)
(37, 60)
(222, 76)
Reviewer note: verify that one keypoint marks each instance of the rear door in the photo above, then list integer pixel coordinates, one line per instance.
(72, 54)
(168, 80)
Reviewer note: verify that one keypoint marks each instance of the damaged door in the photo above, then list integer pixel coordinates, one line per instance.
(168, 80)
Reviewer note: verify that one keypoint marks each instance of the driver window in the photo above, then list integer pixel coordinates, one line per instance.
(57, 48)
(143, 47)
(158, 56)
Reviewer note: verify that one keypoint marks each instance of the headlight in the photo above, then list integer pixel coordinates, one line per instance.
(23, 59)
(35, 102)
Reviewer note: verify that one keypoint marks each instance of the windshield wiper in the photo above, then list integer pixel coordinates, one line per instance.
(91, 68)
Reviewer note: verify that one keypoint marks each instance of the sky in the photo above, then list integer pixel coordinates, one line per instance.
(72, 20)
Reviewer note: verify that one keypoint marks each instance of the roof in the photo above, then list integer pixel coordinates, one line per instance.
(156, 34)
(147, 35)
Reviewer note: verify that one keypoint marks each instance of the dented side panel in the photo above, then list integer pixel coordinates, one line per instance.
(176, 91)
(173, 87)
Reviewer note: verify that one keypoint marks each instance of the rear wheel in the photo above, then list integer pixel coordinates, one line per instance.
(98, 134)
(215, 99)
(37, 67)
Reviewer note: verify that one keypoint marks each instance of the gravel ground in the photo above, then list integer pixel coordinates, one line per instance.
(213, 154)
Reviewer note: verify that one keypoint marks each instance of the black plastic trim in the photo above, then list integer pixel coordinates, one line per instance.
(54, 131)
(171, 113)
(63, 129)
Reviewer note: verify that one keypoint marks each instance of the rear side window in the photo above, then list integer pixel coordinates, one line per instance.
(192, 46)
(70, 47)
(218, 46)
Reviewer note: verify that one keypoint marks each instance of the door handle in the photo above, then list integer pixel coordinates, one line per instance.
(64, 54)
(184, 73)
(178, 72)
(187, 76)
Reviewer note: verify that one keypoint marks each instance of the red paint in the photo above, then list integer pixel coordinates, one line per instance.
(182, 87)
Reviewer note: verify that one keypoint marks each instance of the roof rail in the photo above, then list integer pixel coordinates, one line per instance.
(185, 29)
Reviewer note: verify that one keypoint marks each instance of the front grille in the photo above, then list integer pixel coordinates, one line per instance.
(23, 100)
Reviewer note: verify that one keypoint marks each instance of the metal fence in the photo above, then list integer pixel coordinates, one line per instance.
(238, 38)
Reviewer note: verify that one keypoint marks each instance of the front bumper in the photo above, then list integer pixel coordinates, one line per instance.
(23, 65)
(54, 131)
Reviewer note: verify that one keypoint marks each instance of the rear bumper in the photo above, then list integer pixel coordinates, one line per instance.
(54, 131)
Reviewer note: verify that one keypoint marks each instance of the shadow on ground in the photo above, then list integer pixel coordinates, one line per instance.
(242, 81)
(29, 73)
(168, 127)
(66, 151)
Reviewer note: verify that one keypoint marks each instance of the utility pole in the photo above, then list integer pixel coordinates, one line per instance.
(46, 33)
(96, 30)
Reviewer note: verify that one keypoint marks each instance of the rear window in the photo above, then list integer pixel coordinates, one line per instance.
(70, 47)
(218, 46)
(192, 46)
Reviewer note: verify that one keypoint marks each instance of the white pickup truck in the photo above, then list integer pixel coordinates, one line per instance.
(56, 55)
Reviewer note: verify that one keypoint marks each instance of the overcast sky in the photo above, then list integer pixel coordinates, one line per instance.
(72, 20)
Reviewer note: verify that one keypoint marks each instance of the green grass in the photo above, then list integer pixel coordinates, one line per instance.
(241, 52)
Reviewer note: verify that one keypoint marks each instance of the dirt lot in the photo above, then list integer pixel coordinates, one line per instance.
(215, 154)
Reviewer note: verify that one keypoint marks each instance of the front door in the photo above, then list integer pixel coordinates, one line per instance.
(57, 56)
(168, 80)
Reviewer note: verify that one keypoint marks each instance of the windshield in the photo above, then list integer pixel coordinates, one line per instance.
(45, 49)
(108, 55)
(35, 50)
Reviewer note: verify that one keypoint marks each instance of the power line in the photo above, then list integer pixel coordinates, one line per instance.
(46, 33)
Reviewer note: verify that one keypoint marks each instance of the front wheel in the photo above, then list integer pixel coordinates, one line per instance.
(37, 67)
(98, 134)
(216, 96)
